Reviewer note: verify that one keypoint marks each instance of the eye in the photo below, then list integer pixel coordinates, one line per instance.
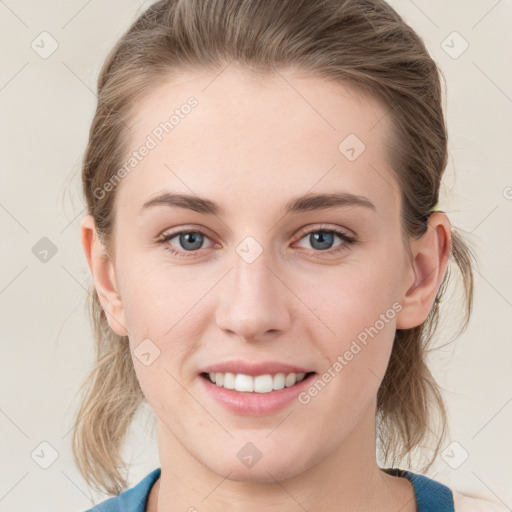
(321, 239)
(188, 241)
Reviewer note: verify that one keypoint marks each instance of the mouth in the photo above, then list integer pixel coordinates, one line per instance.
(249, 384)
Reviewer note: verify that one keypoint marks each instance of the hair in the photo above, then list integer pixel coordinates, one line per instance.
(363, 44)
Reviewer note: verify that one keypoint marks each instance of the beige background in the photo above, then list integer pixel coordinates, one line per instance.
(47, 105)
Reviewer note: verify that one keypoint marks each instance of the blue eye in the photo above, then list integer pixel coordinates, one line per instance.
(320, 239)
(323, 239)
(189, 241)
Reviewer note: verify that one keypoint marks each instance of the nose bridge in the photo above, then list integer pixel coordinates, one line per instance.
(252, 274)
(256, 300)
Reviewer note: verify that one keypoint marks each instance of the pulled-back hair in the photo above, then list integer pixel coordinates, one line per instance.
(364, 44)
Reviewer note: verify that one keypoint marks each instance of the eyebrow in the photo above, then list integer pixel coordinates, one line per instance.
(305, 203)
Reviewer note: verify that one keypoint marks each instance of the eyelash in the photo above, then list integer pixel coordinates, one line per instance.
(348, 240)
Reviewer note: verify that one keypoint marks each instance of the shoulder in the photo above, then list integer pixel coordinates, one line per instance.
(464, 503)
(131, 500)
(434, 495)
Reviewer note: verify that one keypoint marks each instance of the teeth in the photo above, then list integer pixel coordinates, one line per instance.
(242, 382)
(263, 384)
(259, 384)
(279, 381)
(229, 380)
(290, 380)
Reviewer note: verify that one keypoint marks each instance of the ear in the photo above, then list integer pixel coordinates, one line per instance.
(102, 271)
(430, 255)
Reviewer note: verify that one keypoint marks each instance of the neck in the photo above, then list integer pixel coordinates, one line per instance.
(348, 478)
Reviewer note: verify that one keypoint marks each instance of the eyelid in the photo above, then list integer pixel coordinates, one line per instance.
(313, 228)
(183, 229)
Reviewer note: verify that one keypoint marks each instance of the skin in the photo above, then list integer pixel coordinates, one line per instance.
(252, 144)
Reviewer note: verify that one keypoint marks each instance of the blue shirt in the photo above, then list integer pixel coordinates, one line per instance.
(431, 496)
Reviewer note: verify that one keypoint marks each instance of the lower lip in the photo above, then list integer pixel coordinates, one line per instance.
(255, 404)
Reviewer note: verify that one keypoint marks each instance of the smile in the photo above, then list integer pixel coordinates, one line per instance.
(255, 384)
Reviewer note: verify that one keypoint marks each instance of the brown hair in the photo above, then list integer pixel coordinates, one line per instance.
(361, 43)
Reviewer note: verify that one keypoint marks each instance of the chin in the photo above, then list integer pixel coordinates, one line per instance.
(264, 470)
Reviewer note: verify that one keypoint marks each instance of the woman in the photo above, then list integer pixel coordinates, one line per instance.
(268, 258)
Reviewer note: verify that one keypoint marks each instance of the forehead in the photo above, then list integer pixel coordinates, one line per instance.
(254, 136)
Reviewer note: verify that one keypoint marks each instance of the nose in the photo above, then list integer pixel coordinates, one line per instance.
(254, 302)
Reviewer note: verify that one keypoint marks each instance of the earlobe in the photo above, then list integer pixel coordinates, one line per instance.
(430, 255)
(102, 271)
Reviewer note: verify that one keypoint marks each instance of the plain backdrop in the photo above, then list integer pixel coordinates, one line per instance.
(47, 103)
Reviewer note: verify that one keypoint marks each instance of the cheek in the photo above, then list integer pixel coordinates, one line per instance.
(166, 374)
(349, 382)
(158, 298)
(358, 310)
(349, 298)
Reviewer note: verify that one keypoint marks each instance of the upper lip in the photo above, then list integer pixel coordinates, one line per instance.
(253, 369)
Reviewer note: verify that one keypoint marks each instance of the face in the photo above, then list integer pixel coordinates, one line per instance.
(317, 286)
